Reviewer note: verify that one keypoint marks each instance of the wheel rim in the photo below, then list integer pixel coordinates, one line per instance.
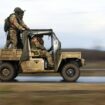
(5, 72)
(70, 72)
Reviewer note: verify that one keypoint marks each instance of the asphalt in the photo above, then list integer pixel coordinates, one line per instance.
(58, 79)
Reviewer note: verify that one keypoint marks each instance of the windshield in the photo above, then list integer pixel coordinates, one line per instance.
(56, 43)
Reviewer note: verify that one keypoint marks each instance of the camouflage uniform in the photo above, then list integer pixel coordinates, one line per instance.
(38, 43)
(16, 26)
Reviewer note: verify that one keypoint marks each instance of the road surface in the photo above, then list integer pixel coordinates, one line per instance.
(59, 79)
(45, 90)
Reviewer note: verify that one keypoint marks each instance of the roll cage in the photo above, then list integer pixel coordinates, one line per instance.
(55, 43)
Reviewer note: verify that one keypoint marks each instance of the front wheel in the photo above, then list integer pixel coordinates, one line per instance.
(7, 72)
(70, 72)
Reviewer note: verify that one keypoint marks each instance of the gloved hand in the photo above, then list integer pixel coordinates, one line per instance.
(23, 29)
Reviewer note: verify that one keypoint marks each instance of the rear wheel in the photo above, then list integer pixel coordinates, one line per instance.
(7, 72)
(70, 72)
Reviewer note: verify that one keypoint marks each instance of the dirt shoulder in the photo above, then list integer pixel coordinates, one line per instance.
(51, 93)
(25, 87)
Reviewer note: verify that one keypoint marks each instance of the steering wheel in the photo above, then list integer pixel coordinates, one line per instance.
(50, 49)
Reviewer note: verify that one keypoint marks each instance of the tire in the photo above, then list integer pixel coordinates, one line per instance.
(7, 72)
(70, 72)
(15, 75)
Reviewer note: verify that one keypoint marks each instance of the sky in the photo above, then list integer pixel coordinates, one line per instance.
(77, 23)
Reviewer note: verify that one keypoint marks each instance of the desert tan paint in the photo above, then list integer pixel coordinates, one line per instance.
(34, 65)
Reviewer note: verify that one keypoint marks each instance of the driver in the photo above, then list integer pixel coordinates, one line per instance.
(38, 43)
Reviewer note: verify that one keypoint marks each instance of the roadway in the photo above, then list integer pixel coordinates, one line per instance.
(58, 79)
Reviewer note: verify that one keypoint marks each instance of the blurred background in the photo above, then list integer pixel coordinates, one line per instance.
(79, 24)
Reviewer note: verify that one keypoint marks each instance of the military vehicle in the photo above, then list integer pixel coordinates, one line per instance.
(15, 61)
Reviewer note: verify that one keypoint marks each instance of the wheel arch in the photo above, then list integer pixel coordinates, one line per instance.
(69, 60)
